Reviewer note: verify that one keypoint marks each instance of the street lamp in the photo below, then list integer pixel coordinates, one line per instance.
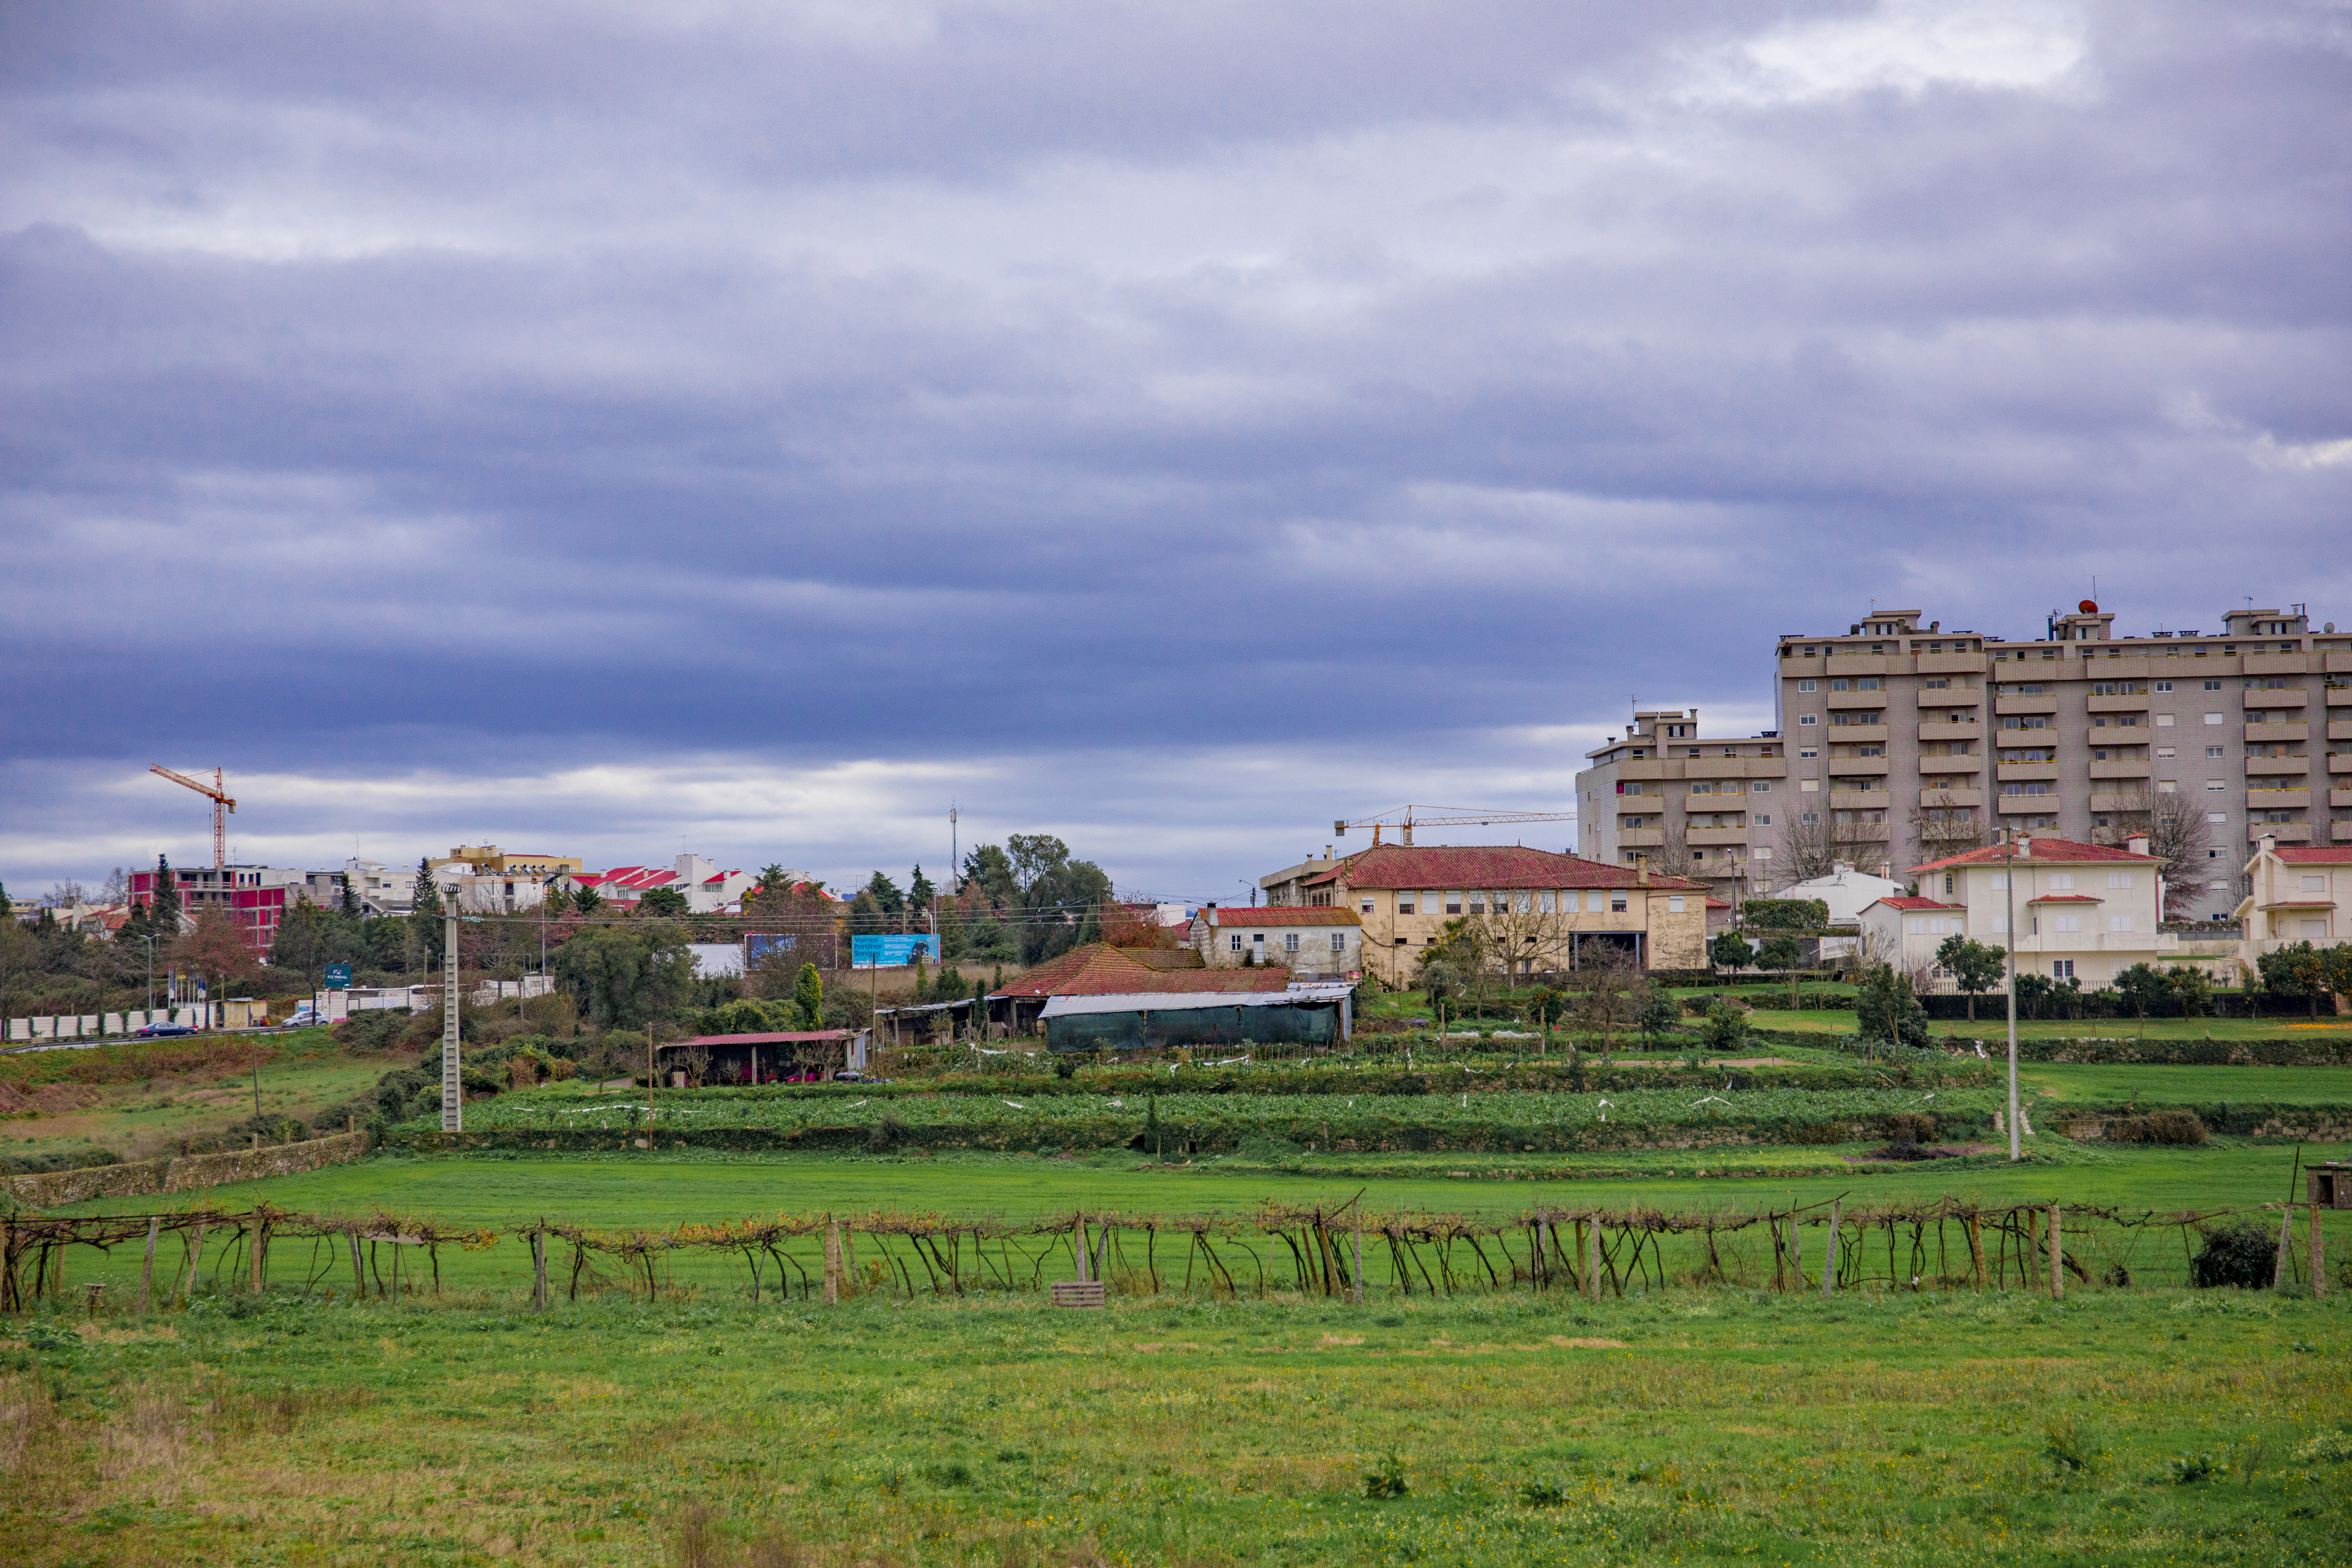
(2008, 941)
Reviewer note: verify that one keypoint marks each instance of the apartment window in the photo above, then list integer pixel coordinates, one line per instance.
(2165, 751)
(1404, 904)
(2062, 969)
(1674, 904)
(1811, 818)
(2215, 786)
(1840, 686)
(1543, 903)
(1367, 906)
(2164, 720)
(1937, 685)
(2119, 923)
(1763, 819)
(2315, 884)
(2217, 751)
(1237, 942)
(1761, 786)
(1477, 905)
(2217, 817)
(1594, 902)
(1808, 719)
(1339, 941)
(2164, 686)
(2212, 718)
(2062, 881)
(2214, 685)
(1523, 903)
(1807, 754)
(1290, 941)
(1809, 686)
(2068, 923)
(1616, 903)
(1453, 903)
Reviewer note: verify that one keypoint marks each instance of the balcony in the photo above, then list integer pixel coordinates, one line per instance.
(1945, 795)
(1735, 767)
(1968, 730)
(1951, 764)
(2338, 797)
(1861, 800)
(1859, 765)
(2337, 696)
(2045, 703)
(1640, 837)
(2267, 699)
(2011, 772)
(2129, 769)
(2278, 764)
(2337, 762)
(2136, 702)
(1863, 663)
(2277, 799)
(1950, 663)
(1861, 833)
(1949, 696)
(1858, 734)
(1708, 838)
(2028, 804)
(2259, 734)
(2120, 800)
(2339, 728)
(2277, 663)
(2284, 832)
(1876, 699)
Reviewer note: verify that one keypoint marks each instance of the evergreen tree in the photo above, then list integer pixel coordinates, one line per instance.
(350, 899)
(808, 997)
(163, 914)
(919, 892)
(4, 907)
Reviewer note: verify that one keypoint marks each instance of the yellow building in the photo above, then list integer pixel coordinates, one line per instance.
(1538, 913)
(489, 860)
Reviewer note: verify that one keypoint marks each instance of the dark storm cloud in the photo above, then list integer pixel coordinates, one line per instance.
(506, 392)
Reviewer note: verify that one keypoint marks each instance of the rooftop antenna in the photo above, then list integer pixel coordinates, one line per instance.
(955, 850)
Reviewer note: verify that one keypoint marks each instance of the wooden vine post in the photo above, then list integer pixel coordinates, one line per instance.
(195, 1256)
(1592, 1258)
(147, 1266)
(2057, 1256)
(539, 1268)
(2318, 1255)
(832, 1261)
(1830, 1254)
(1976, 1247)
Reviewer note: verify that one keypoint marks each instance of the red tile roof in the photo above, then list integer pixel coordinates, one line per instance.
(1099, 969)
(755, 1040)
(1901, 903)
(1439, 867)
(2315, 854)
(2037, 850)
(1273, 915)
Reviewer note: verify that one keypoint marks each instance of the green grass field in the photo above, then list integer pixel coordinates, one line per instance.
(2127, 1428)
(1992, 1024)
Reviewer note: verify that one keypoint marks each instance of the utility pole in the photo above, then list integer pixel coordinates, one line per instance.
(2009, 931)
(453, 1093)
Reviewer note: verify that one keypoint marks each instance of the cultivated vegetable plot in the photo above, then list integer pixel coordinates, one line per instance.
(1499, 1121)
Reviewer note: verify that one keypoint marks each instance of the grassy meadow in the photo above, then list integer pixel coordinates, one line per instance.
(2125, 1427)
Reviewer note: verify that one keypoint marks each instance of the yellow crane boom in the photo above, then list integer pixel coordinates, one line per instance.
(1406, 817)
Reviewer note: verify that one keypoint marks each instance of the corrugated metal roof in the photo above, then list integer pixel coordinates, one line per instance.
(1100, 970)
(1161, 1002)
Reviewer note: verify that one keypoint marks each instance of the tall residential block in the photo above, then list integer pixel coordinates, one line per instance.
(1707, 807)
(1908, 741)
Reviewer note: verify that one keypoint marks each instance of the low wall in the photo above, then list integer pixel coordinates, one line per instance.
(187, 1173)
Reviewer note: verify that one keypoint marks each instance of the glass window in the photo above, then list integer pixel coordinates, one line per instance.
(1806, 718)
(1763, 819)
(1338, 945)
(1477, 903)
(1674, 904)
(1405, 903)
(1454, 904)
(1289, 942)
(1367, 906)
(1237, 944)
(1761, 786)
(1616, 903)
(1524, 903)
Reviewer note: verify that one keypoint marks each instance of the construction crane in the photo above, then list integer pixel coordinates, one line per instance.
(1406, 817)
(222, 806)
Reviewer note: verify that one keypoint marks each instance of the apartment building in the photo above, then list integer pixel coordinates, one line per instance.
(2083, 913)
(1688, 804)
(1539, 912)
(1908, 741)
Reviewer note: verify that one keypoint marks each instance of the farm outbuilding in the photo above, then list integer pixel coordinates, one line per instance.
(766, 1059)
(1300, 1015)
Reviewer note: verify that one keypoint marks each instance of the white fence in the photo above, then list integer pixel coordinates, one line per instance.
(60, 1028)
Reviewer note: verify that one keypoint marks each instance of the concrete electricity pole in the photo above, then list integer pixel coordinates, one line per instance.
(453, 1093)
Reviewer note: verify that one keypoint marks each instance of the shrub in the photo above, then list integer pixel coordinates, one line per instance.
(2067, 1446)
(2237, 1254)
(1784, 914)
(1542, 1494)
(2159, 1127)
(2189, 1468)
(2326, 1448)
(1386, 1479)
(1909, 1126)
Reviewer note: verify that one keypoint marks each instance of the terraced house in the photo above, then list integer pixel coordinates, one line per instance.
(1537, 911)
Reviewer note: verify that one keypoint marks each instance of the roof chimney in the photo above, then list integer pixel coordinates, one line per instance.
(2136, 843)
(2269, 844)
(1641, 873)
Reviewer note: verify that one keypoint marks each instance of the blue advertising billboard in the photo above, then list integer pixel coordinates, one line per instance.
(758, 945)
(888, 951)
(338, 976)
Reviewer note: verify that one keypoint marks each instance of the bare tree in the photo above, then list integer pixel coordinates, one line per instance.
(1808, 846)
(1518, 937)
(2177, 835)
(1673, 857)
(1941, 827)
(1607, 997)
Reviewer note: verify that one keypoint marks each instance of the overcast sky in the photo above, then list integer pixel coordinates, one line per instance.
(620, 429)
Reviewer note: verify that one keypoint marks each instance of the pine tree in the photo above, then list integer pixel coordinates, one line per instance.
(351, 902)
(808, 997)
(163, 913)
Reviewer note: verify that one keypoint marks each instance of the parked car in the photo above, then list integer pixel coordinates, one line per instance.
(303, 1019)
(159, 1031)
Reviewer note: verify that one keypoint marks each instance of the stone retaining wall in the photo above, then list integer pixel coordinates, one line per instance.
(187, 1173)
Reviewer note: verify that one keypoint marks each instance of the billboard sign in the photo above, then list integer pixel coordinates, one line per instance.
(758, 945)
(339, 978)
(887, 952)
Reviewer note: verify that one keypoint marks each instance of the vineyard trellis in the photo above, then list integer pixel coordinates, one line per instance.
(1589, 1251)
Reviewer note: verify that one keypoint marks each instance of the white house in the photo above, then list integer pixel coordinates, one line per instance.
(2299, 892)
(2083, 911)
(1845, 890)
(1305, 939)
